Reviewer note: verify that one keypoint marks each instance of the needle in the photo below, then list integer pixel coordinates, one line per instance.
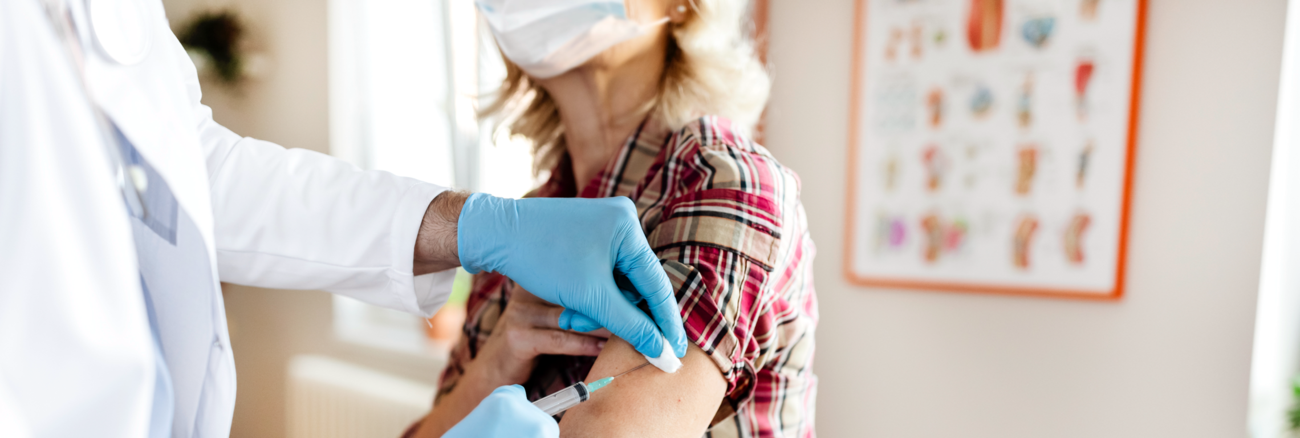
(593, 386)
(634, 369)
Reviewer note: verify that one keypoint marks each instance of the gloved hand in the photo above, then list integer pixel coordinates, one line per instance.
(565, 251)
(506, 413)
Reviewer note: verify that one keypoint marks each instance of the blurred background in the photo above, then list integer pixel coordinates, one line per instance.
(1204, 343)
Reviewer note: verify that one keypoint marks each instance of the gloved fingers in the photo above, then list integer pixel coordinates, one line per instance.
(519, 418)
(571, 320)
(625, 286)
(560, 342)
(509, 414)
(642, 268)
(669, 319)
(510, 391)
(506, 413)
(609, 309)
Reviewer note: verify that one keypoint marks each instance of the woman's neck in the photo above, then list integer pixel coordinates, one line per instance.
(600, 108)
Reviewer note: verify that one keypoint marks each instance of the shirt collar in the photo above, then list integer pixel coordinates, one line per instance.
(620, 176)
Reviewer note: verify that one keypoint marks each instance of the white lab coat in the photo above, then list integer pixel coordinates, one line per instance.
(75, 345)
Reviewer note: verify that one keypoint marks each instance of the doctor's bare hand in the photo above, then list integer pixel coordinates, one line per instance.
(565, 251)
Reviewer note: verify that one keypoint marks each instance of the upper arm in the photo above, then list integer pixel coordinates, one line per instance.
(719, 237)
(648, 402)
(721, 243)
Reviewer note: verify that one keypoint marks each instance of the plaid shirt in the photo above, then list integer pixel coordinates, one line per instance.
(725, 219)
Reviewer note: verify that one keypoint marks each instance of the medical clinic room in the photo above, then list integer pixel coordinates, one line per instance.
(650, 218)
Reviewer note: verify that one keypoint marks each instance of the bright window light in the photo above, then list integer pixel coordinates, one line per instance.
(406, 77)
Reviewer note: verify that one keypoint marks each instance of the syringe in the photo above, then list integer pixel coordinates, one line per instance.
(575, 394)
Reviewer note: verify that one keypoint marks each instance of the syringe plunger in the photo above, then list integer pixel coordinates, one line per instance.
(563, 399)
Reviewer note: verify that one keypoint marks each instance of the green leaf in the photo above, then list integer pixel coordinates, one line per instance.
(1293, 415)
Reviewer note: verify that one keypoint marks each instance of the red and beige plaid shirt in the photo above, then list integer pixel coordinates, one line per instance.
(726, 221)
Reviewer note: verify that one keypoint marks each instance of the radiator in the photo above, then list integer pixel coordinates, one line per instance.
(329, 398)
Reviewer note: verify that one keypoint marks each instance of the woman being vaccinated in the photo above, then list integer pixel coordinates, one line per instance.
(655, 101)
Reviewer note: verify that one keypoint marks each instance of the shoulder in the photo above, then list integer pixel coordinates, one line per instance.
(719, 161)
(731, 192)
(717, 134)
(723, 157)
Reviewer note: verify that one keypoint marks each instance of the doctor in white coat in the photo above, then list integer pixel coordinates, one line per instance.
(123, 205)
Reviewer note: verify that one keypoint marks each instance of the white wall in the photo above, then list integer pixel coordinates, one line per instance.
(1171, 359)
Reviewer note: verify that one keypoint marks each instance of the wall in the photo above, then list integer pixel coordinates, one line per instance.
(1171, 359)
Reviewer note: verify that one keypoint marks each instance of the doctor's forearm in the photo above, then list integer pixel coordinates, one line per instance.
(435, 246)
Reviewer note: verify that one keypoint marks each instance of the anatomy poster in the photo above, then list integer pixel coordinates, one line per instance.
(991, 144)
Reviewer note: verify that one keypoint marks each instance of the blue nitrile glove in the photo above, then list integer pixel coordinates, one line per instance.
(566, 250)
(505, 413)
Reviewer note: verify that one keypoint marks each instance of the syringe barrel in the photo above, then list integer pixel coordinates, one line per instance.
(563, 399)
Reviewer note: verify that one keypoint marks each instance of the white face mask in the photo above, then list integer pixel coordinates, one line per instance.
(549, 37)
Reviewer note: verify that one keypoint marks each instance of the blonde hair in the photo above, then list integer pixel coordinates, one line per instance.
(711, 69)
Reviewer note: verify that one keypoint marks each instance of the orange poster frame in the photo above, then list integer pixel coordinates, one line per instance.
(855, 131)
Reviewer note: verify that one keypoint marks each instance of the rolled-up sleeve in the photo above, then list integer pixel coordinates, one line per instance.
(719, 243)
(298, 219)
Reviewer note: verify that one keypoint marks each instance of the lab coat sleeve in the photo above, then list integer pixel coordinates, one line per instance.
(298, 219)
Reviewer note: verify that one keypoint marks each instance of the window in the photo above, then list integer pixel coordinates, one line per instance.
(406, 78)
(1276, 358)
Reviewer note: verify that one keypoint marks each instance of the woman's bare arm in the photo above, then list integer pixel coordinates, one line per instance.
(648, 402)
